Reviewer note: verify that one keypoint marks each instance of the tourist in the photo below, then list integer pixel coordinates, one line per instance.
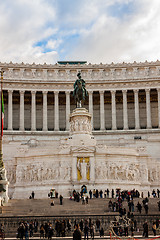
(145, 229)
(107, 193)
(101, 232)
(98, 223)
(139, 207)
(158, 193)
(42, 231)
(146, 207)
(50, 231)
(81, 225)
(77, 235)
(158, 205)
(101, 193)
(61, 199)
(52, 203)
(112, 193)
(87, 200)
(86, 230)
(31, 227)
(92, 230)
(90, 194)
(32, 194)
(35, 225)
(26, 231)
(154, 227)
(21, 231)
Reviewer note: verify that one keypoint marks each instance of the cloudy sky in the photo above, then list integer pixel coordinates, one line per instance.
(93, 30)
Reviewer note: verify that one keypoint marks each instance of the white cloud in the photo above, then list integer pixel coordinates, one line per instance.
(135, 37)
(97, 31)
(22, 24)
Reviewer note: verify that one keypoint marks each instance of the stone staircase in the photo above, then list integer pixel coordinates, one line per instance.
(41, 209)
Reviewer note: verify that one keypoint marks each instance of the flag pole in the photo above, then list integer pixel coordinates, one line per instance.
(1, 154)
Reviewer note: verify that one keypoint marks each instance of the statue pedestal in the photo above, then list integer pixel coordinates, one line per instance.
(82, 145)
(3, 187)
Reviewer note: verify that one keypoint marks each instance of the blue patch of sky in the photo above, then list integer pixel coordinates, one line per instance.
(68, 44)
(121, 10)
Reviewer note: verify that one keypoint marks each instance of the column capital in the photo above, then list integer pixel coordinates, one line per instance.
(135, 90)
(101, 92)
(45, 92)
(113, 91)
(124, 91)
(67, 92)
(90, 92)
(21, 92)
(56, 92)
(147, 90)
(33, 92)
(10, 91)
(158, 90)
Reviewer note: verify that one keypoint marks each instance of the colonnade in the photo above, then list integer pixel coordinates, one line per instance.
(102, 109)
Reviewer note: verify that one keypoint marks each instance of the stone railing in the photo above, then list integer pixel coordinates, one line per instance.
(89, 72)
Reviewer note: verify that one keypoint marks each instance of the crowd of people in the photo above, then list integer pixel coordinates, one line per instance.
(84, 227)
(88, 227)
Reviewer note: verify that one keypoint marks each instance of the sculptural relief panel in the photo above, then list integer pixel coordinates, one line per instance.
(43, 172)
(80, 125)
(118, 171)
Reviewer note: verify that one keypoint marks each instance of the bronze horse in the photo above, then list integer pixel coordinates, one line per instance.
(79, 91)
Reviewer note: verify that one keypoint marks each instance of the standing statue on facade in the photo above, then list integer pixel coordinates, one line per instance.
(80, 91)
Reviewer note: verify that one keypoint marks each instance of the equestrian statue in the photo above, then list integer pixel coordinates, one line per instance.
(80, 92)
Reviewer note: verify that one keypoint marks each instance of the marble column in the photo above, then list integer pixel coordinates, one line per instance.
(158, 91)
(136, 106)
(22, 110)
(67, 109)
(45, 128)
(125, 110)
(148, 108)
(74, 169)
(92, 169)
(10, 110)
(91, 105)
(33, 111)
(56, 111)
(114, 122)
(102, 115)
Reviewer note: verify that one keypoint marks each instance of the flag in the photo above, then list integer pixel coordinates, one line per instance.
(2, 109)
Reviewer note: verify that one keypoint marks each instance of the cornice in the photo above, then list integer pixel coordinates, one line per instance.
(79, 66)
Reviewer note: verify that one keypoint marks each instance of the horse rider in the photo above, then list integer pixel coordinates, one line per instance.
(76, 85)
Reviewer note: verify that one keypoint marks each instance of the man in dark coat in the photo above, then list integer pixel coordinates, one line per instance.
(77, 233)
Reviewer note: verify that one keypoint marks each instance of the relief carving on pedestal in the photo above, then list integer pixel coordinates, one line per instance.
(118, 171)
(36, 173)
(80, 125)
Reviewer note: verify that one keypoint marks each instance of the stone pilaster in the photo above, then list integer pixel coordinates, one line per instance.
(45, 128)
(91, 105)
(92, 169)
(22, 110)
(10, 110)
(158, 91)
(102, 115)
(67, 109)
(148, 108)
(33, 111)
(74, 169)
(125, 110)
(56, 111)
(114, 123)
(136, 106)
